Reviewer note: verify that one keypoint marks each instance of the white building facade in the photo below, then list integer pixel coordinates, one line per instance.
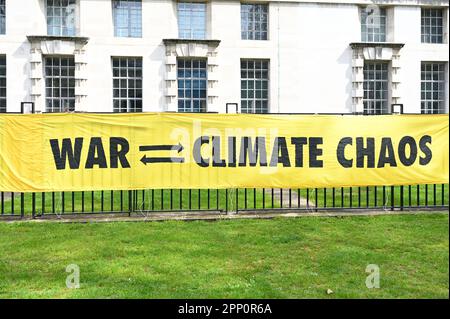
(292, 56)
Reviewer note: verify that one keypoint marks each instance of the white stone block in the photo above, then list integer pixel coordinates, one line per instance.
(212, 60)
(213, 76)
(358, 63)
(396, 63)
(358, 92)
(358, 77)
(36, 88)
(171, 91)
(36, 72)
(171, 75)
(396, 78)
(171, 59)
(36, 57)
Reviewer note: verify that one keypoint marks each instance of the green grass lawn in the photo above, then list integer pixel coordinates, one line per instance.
(280, 258)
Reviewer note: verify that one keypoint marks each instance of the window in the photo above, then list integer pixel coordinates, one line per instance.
(432, 88)
(61, 17)
(192, 80)
(254, 21)
(127, 84)
(373, 25)
(254, 86)
(2, 84)
(59, 84)
(375, 88)
(127, 18)
(2, 17)
(432, 26)
(191, 20)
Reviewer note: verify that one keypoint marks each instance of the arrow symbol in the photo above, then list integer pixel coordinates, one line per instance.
(177, 148)
(150, 160)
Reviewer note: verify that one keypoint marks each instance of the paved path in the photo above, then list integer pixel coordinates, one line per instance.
(294, 198)
(7, 196)
(214, 216)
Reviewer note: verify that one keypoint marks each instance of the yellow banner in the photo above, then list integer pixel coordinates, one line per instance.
(73, 152)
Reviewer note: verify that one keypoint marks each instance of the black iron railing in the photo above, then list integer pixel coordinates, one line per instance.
(35, 205)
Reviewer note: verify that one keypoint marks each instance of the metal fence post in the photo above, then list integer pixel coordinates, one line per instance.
(392, 197)
(130, 202)
(226, 200)
(401, 197)
(22, 205)
(33, 205)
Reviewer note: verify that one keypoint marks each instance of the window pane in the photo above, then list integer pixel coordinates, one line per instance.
(127, 84)
(375, 88)
(432, 26)
(254, 20)
(254, 86)
(432, 88)
(2, 17)
(61, 17)
(192, 82)
(127, 18)
(373, 25)
(59, 84)
(191, 20)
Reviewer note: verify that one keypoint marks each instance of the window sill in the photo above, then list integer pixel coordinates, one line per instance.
(394, 45)
(197, 41)
(78, 39)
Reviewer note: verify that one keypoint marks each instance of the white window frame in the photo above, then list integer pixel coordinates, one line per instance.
(2, 17)
(426, 21)
(251, 26)
(255, 86)
(55, 12)
(186, 12)
(134, 28)
(61, 90)
(370, 103)
(432, 87)
(127, 84)
(188, 96)
(374, 25)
